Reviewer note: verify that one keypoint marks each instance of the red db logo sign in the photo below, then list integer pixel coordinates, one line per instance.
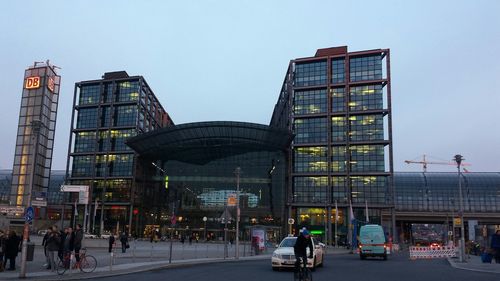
(32, 82)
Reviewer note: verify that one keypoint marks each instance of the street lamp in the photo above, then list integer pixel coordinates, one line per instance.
(205, 228)
(458, 158)
(237, 172)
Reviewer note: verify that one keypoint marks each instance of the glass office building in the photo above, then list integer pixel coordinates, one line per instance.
(106, 113)
(337, 104)
(35, 135)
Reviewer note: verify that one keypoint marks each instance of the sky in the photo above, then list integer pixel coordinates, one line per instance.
(226, 60)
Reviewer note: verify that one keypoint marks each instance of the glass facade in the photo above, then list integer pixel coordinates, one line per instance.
(339, 153)
(310, 74)
(35, 134)
(438, 192)
(107, 113)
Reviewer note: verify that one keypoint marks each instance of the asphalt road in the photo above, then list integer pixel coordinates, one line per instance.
(337, 267)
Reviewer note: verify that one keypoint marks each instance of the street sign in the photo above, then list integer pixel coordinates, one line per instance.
(39, 203)
(30, 213)
(231, 200)
(291, 221)
(457, 222)
(11, 210)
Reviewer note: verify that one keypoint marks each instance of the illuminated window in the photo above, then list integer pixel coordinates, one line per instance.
(310, 102)
(366, 98)
(310, 189)
(310, 159)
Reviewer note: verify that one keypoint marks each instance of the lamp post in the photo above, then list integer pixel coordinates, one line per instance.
(237, 172)
(205, 228)
(35, 131)
(458, 158)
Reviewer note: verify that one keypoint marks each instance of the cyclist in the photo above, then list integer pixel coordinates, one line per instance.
(300, 248)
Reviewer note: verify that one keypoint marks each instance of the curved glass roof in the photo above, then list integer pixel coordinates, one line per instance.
(439, 191)
(202, 142)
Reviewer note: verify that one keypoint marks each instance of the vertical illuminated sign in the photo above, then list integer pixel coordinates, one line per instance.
(50, 84)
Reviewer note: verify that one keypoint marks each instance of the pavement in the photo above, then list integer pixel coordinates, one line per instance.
(141, 256)
(474, 263)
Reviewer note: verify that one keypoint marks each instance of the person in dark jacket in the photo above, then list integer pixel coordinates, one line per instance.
(495, 245)
(44, 244)
(111, 242)
(124, 241)
(77, 243)
(3, 239)
(11, 249)
(62, 236)
(300, 248)
(53, 245)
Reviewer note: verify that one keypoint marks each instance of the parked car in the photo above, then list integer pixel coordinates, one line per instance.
(42, 232)
(283, 256)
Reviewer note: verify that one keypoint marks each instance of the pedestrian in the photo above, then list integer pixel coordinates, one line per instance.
(62, 235)
(495, 245)
(111, 242)
(77, 243)
(68, 244)
(44, 244)
(2, 249)
(11, 249)
(53, 245)
(124, 241)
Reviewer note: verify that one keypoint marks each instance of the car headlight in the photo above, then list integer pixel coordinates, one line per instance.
(278, 256)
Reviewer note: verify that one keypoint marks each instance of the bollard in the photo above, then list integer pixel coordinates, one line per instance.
(111, 260)
(133, 251)
(151, 253)
(71, 257)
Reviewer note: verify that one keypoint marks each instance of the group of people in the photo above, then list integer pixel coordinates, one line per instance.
(10, 244)
(61, 243)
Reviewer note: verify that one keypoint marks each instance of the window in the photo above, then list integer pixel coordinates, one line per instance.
(310, 189)
(310, 74)
(105, 116)
(338, 70)
(128, 91)
(89, 94)
(367, 158)
(369, 188)
(366, 68)
(87, 118)
(338, 129)
(338, 99)
(310, 130)
(125, 115)
(120, 165)
(310, 159)
(366, 98)
(366, 127)
(108, 93)
(85, 141)
(82, 166)
(310, 102)
(338, 159)
(118, 138)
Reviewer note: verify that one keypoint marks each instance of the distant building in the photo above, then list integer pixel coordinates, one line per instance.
(338, 106)
(106, 112)
(35, 135)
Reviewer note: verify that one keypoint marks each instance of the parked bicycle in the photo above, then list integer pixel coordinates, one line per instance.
(302, 273)
(87, 263)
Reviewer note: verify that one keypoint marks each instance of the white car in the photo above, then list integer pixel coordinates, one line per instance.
(89, 236)
(283, 256)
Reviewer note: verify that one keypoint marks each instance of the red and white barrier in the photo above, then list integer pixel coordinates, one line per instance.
(432, 252)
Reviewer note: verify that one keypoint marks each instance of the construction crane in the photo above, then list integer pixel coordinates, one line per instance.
(424, 163)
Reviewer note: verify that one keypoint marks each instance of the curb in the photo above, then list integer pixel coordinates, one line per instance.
(179, 264)
(454, 265)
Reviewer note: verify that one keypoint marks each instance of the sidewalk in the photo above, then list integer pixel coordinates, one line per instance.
(142, 256)
(475, 264)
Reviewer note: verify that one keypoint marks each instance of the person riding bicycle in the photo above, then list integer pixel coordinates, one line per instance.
(300, 248)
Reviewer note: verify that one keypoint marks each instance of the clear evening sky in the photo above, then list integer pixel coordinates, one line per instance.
(226, 60)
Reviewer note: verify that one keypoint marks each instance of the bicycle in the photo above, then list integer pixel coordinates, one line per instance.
(87, 263)
(302, 273)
